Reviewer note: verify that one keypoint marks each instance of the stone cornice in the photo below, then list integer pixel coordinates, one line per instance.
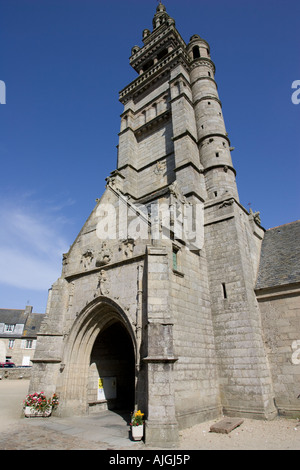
(106, 267)
(215, 134)
(158, 359)
(283, 290)
(145, 106)
(203, 61)
(158, 39)
(48, 360)
(184, 134)
(188, 164)
(148, 165)
(208, 97)
(153, 122)
(204, 78)
(146, 78)
(221, 165)
(182, 95)
(222, 202)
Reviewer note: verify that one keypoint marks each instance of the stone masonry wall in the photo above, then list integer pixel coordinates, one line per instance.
(196, 376)
(281, 326)
(244, 372)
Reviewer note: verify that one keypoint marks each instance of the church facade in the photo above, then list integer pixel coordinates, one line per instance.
(165, 302)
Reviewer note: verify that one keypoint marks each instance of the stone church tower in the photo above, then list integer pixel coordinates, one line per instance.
(155, 308)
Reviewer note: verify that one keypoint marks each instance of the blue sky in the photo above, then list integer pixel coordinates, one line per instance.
(64, 62)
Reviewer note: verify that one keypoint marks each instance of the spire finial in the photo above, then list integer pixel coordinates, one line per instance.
(159, 15)
(160, 6)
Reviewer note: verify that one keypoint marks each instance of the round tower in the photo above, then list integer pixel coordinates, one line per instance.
(213, 141)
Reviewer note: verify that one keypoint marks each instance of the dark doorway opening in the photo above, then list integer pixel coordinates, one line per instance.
(112, 367)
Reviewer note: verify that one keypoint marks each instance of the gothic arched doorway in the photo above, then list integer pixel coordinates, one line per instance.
(112, 369)
(99, 360)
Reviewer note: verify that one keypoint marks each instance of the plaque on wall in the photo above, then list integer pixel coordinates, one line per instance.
(107, 388)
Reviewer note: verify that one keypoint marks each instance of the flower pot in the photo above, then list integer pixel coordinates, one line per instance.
(32, 413)
(137, 432)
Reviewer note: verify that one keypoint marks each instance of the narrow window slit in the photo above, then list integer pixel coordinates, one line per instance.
(224, 290)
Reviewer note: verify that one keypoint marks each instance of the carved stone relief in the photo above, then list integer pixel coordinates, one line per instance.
(103, 286)
(160, 168)
(86, 259)
(104, 255)
(126, 247)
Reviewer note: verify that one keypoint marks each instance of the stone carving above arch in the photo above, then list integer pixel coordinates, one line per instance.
(103, 286)
(87, 258)
(104, 255)
(126, 247)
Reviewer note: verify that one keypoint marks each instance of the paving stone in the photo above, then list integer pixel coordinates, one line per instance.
(226, 425)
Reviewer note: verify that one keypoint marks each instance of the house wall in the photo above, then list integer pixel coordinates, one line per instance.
(20, 353)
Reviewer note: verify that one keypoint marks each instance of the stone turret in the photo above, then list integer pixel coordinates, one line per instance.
(213, 141)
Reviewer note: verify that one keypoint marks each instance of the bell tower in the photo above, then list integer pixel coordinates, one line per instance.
(172, 127)
(173, 133)
(183, 305)
(158, 138)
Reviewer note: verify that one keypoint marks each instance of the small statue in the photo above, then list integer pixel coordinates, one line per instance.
(255, 215)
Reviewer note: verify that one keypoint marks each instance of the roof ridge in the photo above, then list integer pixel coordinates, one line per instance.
(283, 225)
(14, 309)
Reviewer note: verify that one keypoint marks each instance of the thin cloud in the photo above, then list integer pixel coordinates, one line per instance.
(25, 270)
(32, 241)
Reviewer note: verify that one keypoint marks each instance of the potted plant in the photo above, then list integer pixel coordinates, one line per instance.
(137, 425)
(37, 404)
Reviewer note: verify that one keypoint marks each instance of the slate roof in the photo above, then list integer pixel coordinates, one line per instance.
(31, 321)
(280, 256)
(33, 324)
(12, 316)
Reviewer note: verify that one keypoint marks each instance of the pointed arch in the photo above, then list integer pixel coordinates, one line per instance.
(96, 317)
